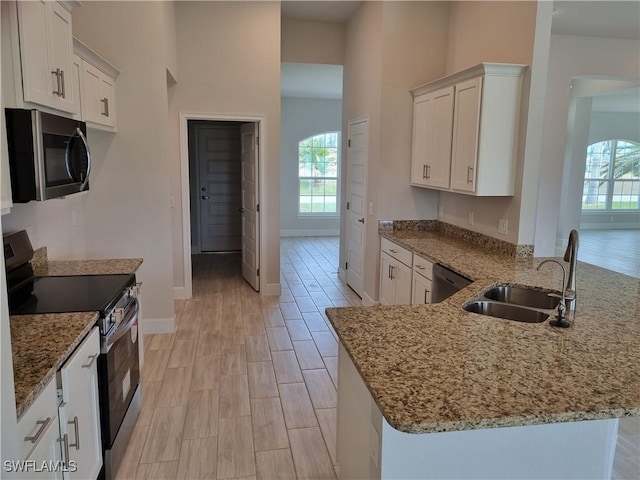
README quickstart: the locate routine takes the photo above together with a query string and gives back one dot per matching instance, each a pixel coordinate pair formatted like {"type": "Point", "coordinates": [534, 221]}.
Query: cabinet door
{"type": "Point", "coordinates": [61, 56]}
{"type": "Point", "coordinates": [79, 412]}
{"type": "Point", "coordinates": [46, 455]}
{"type": "Point", "coordinates": [466, 129]}
{"type": "Point", "coordinates": [401, 277]}
{"type": "Point", "coordinates": [432, 130]}
{"type": "Point", "coordinates": [421, 290]}
{"type": "Point", "coordinates": [92, 80]}
{"type": "Point", "coordinates": [108, 101]}
{"type": "Point", "coordinates": [38, 82]}
{"type": "Point", "coordinates": [387, 286]}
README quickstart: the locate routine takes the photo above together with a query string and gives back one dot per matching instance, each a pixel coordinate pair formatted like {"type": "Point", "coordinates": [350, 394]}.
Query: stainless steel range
{"type": "Point", "coordinates": [115, 297]}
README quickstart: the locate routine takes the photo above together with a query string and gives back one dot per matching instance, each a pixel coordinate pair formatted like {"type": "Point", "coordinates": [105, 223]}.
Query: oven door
{"type": "Point", "coordinates": [119, 373]}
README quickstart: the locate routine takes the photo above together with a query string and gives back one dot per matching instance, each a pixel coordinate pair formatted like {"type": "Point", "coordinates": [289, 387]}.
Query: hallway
{"type": "Point", "coordinates": [246, 386]}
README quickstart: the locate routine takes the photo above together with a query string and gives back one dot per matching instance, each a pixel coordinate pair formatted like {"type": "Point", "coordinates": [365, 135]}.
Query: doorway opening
{"type": "Point", "coordinates": [221, 159]}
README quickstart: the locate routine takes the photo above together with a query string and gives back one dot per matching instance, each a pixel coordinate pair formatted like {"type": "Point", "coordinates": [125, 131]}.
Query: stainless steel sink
{"type": "Point", "coordinates": [507, 311]}
{"type": "Point", "coordinates": [523, 296]}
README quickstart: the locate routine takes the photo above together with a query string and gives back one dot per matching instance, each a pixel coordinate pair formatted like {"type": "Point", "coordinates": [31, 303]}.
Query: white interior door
{"type": "Point", "coordinates": [357, 152]}
{"type": "Point", "coordinates": [249, 208]}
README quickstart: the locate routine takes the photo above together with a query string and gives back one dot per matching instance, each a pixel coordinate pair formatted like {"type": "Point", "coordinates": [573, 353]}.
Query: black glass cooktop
{"type": "Point", "coordinates": [81, 293]}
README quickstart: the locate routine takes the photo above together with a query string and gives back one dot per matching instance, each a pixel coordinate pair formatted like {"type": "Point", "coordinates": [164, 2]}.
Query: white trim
{"type": "Point", "coordinates": [180, 293]}
{"type": "Point", "coordinates": [613, 435]}
{"type": "Point", "coordinates": [261, 120]}
{"type": "Point", "coordinates": [316, 232]}
{"type": "Point", "coordinates": [272, 289]}
{"type": "Point", "coordinates": [158, 325]}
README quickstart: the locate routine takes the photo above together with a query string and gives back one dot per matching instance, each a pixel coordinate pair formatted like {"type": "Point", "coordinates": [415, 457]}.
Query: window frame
{"type": "Point", "coordinates": [610, 181]}
{"type": "Point", "coordinates": [338, 147]}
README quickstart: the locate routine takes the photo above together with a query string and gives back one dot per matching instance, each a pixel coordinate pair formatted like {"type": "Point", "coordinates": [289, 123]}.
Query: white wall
{"type": "Point", "coordinates": [490, 32]}
{"type": "Point", "coordinates": [127, 213]}
{"type": "Point", "coordinates": [229, 64]}
{"type": "Point", "coordinates": [571, 57]}
{"type": "Point", "coordinates": [390, 48]}
{"type": "Point", "coordinates": [303, 118]}
{"type": "Point", "coordinates": [305, 41]}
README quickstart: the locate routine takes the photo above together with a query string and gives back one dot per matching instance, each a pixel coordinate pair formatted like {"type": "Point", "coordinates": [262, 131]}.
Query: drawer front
{"type": "Point", "coordinates": [396, 251]}
{"type": "Point", "coordinates": [81, 363]}
{"type": "Point", "coordinates": [42, 414]}
{"type": "Point", "coordinates": [423, 266]}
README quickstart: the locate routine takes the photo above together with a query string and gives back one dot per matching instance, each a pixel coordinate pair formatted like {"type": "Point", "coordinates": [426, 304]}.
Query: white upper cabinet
{"type": "Point", "coordinates": [98, 78]}
{"type": "Point", "coordinates": [431, 150]}
{"type": "Point", "coordinates": [465, 132]}
{"type": "Point", "coordinates": [46, 55]}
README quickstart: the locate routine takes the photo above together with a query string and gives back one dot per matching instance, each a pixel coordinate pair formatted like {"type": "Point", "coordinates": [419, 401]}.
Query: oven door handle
{"type": "Point", "coordinates": [86, 147]}
{"type": "Point", "coordinates": [126, 326]}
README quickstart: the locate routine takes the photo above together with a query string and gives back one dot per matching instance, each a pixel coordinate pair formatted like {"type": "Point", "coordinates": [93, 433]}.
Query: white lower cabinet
{"type": "Point", "coordinates": [405, 277]}
{"type": "Point", "coordinates": [422, 276]}
{"type": "Point", "coordinates": [79, 411]}
{"type": "Point", "coordinates": [395, 274]}
{"type": "Point", "coordinates": [39, 439]}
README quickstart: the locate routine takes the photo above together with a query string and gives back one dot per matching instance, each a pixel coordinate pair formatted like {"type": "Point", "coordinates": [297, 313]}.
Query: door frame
{"type": "Point", "coordinates": [185, 187]}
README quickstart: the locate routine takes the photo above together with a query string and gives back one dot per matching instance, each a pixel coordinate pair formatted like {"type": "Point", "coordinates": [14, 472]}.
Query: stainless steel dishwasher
{"type": "Point", "coordinates": [446, 282]}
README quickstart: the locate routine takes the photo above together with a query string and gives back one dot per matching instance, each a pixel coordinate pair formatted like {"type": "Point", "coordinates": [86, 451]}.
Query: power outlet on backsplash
{"type": "Point", "coordinates": [503, 226]}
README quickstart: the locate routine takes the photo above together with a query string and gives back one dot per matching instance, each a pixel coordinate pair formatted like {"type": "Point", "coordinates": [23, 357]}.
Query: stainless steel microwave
{"type": "Point", "coordinates": [48, 155]}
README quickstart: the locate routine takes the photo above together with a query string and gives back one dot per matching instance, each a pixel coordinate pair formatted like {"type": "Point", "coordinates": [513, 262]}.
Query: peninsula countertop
{"type": "Point", "coordinates": [434, 368]}
{"type": "Point", "coordinates": [41, 343]}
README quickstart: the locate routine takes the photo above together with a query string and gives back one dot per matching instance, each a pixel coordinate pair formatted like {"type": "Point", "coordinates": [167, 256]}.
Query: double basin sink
{"type": "Point", "coordinates": [522, 304]}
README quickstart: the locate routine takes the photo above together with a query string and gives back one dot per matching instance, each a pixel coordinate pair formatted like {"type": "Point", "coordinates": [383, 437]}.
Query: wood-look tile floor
{"type": "Point", "coordinates": [617, 250]}
{"type": "Point", "coordinates": [246, 386]}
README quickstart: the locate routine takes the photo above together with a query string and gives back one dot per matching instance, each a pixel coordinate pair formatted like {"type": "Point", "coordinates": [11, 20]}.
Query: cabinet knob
{"type": "Point", "coordinates": [361, 220]}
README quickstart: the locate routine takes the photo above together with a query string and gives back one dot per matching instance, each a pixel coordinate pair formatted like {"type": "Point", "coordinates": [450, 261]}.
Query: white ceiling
{"type": "Point", "coordinates": [311, 80]}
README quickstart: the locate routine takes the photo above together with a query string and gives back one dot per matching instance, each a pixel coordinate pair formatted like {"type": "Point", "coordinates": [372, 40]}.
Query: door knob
{"type": "Point", "coordinates": [205, 197]}
{"type": "Point", "coordinates": [361, 220]}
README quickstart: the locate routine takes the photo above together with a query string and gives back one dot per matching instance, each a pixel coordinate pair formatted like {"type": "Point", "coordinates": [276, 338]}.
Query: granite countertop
{"type": "Point", "coordinates": [40, 345]}
{"type": "Point", "coordinates": [59, 268]}
{"type": "Point", "coordinates": [433, 368]}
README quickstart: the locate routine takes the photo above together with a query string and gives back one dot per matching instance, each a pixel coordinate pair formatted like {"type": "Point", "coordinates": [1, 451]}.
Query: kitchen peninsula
{"type": "Point", "coordinates": [495, 398]}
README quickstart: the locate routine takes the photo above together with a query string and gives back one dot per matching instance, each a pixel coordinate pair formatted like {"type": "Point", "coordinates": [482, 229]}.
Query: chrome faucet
{"type": "Point", "coordinates": [571, 256]}
{"type": "Point", "coordinates": [561, 318]}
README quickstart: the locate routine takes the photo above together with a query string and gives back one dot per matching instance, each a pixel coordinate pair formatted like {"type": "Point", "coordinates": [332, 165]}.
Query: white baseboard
{"type": "Point", "coordinates": [180, 293]}
{"type": "Point", "coordinates": [304, 232]}
{"type": "Point", "coordinates": [368, 301]}
{"type": "Point", "coordinates": [272, 289]}
{"type": "Point", "coordinates": [158, 325]}
{"type": "Point", "coordinates": [342, 274]}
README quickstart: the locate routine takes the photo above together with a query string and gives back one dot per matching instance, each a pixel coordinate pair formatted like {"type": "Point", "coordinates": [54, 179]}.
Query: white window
{"type": "Point", "coordinates": [612, 176]}
{"type": "Point", "coordinates": [318, 166]}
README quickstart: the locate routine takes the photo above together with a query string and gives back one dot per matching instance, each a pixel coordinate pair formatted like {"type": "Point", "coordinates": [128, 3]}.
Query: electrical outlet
{"type": "Point", "coordinates": [470, 218]}
{"type": "Point", "coordinates": [370, 208]}
{"type": "Point", "coordinates": [503, 226]}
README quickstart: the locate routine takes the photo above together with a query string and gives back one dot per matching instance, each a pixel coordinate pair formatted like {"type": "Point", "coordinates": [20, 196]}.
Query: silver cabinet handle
{"type": "Point", "coordinates": [76, 429]}
{"type": "Point", "coordinates": [391, 267]}
{"type": "Point", "coordinates": [65, 439]}
{"type": "Point", "coordinates": [92, 358]}
{"type": "Point", "coordinates": [56, 72]}
{"type": "Point", "coordinates": [469, 171]}
{"type": "Point", "coordinates": [424, 171]}
{"type": "Point", "coordinates": [420, 266]}
{"type": "Point", "coordinates": [361, 220]}
{"type": "Point", "coordinates": [428, 172]}
{"type": "Point", "coordinates": [105, 101]}
{"type": "Point", "coordinates": [389, 272]}
{"type": "Point", "coordinates": [426, 292]}
{"type": "Point", "coordinates": [86, 146]}
{"type": "Point", "coordinates": [43, 426]}
{"type": "Point", "coordinates": [393, 251]}
{"type": "Point", "coordinates": [62, 90]}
